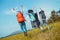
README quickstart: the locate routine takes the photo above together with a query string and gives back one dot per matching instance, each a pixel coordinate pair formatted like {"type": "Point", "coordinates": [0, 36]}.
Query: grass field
{"type": "Point", "coordinates": [37, 34]}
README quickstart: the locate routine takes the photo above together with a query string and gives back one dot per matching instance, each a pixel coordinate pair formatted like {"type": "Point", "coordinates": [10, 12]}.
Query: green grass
{"type": "Point", "coordinates": [37, 34]}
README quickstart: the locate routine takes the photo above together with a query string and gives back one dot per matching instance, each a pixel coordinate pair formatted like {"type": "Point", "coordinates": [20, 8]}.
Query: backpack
{"type": "Point", "coordinates": [20, 17]}
{"type": "Point", "coordinates": [43, 16]}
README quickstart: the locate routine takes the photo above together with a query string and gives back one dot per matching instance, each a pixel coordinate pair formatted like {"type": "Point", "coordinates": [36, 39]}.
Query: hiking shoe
{"type": "Point", "coordinates": [48, 28]}
{"type": "Point", "coordinates": [25, 33]}
{"type": "Point", "coordinates": [41, 28]}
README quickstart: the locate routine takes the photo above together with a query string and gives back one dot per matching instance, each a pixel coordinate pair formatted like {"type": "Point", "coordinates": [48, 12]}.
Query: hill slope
{"type": "Point", "coordinates": [37, 34]}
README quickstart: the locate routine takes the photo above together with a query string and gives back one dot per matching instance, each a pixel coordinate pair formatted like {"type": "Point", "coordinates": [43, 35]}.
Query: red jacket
{"type": "Point", "coordinates": [20, 17]}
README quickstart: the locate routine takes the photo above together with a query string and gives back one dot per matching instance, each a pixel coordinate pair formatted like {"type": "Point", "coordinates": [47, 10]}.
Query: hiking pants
{"type": "Point", "coordinates": [23, 27]}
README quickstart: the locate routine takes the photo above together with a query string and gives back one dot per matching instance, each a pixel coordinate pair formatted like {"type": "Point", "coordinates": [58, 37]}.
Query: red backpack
{"type": "Point", "coordinates": [20, 17]}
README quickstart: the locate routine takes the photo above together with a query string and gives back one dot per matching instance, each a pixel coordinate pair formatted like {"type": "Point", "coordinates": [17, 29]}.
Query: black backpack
{"type": "Point", "coordinates": [43, 16]}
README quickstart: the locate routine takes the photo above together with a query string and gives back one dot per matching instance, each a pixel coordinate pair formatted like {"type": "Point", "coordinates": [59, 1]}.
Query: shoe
{"type": "Point", "coordinates": [25, 33]}
{"type": "Point", "coordinates": [48, 28]}
{"type": "Point", "coordinates": [41, 28]}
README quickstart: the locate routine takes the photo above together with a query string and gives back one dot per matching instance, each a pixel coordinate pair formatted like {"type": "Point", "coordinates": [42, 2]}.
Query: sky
{"type": "Point", "coordinates": [8, 21]}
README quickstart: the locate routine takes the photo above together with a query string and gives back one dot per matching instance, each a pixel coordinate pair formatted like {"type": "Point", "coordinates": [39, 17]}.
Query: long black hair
{"type": "Point", "coordinates": [30, 11]}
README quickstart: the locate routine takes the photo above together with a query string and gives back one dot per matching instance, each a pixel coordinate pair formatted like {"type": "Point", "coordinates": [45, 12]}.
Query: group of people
{"type": "Point", "coordinates": [34, 18]}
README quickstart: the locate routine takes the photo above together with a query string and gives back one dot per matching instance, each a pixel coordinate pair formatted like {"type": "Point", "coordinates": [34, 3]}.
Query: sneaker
{"type": "Point", "coordinates": [41, 28]}
{"type": "Point", "coordinates": [48, 28]}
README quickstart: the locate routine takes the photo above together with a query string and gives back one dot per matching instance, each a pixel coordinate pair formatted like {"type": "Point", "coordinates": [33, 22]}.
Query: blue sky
{"type": "Point", "coordinates": [8, 21]}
